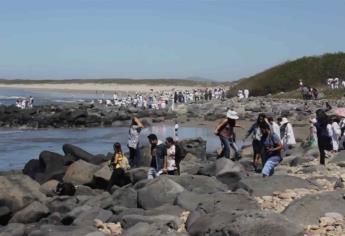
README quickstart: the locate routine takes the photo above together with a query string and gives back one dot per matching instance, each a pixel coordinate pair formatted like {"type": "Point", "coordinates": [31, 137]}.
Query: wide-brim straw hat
{"type": "Point", "coordinates": [232, 115]}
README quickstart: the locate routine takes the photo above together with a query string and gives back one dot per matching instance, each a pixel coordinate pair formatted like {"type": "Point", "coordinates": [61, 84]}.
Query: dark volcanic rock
{"type": "Point", "coordinates": [80, 172]}
{"type": "Point", "coordinates": [77, 152]}
{"type": "Point", "coordinates": [210, 203]}
{"type": "Point", "coordinates": [200, 184]}
{"type": "Point", "coordinates": [158, 192]}
{"type": "Point", "coordinates": [244, 223]}
{"type": "Point", "coordinates": [18, 191]}
{"type": "Point", "coordinates": [266, 186]}
{"type": "Point", "coordinates": [30, 214]}
{"type": "Point", "coordinates": [197, 147]}
{"type": "Point", "coordinates": [62, 230]}
{"type": "Point", "coordinates": [308, 210]}
{"type": "Point", "coordinates": [14, 229]}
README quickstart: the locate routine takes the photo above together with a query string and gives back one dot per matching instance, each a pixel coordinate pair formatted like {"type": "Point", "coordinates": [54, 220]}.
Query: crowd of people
{"type": "Point", "coordinates": [163, 99]}
{"type": "Point", "coordinates": [25, 103]}
{"type": "Point", "coordinates": [243, 94]}
{"type": "Point", "coordinates": [335, 83]}
{"type": "Point", "coordinates": [271, 139]}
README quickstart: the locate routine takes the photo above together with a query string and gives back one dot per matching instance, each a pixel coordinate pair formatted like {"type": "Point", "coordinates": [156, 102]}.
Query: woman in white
{"type": "Point", "coordinates": [336, 133]}
{"type": "Point", "coordinates": [169, 161]}
{"type": "Point", "coordinates": [286, 133]}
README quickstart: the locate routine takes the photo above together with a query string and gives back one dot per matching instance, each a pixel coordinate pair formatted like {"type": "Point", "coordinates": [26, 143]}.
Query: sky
{"type": "Point", "coordinates": [220, 40]}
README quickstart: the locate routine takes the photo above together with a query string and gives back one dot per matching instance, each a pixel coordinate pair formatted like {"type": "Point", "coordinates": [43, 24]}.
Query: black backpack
{"type": "Point", "coordinates": [179, 155]}
{"type": "Point", "coordinates": [283, 130]}
{"type": "Point", "coordinates": [65, 189]}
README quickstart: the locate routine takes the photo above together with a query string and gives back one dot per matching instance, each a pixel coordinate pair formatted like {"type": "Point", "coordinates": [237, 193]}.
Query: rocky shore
{"type": "Point", "coordinates": [210, 197]}
{"type": "Point", "coordinates": [95, 115]}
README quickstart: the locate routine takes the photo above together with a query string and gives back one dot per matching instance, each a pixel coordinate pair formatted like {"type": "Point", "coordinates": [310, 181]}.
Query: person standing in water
{"type": "Point", "coordinates": [225, 131]}
{"type": "Point", "coordinates": [176, 130]}
{"type": "Point", "coordinates": [133, 141]}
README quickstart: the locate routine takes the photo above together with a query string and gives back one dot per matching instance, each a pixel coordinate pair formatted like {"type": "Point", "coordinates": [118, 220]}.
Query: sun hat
{"type": "Point", "coordinates": [232, 115]}
{"type": "Point", "coordinates": [284, 120]}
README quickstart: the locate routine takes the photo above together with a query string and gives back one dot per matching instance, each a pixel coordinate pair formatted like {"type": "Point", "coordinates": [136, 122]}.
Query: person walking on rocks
{"type": "Point", "coordinates": [256, 137]}
{"type": "Point", "coordinates": [271, 150]}
{"type": "Point", "coordinates": [170, 165]}
{"type": "Point", "coordinates": [225, 131]}
{"type": "Point", "coordinates": [133, 141]}
{"type": "Point", "coordinates": [158, 153]}
{"type": "Point", "coordinates": [286, 133]}
{"type": "Point", "coordinates": [274, 126]}
{"type": "Point", "coordinates": [323, 131]}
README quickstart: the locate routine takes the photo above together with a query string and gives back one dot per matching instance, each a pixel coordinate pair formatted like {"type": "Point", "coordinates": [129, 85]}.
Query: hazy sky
{"type": "Point", "coordinates": [219, 40]}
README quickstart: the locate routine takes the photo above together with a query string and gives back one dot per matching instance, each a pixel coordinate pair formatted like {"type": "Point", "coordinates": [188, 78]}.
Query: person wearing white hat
{"type": "Point", "coordinates": [286, 133]}
{"type": "Point", "coordinates": [226, 133]}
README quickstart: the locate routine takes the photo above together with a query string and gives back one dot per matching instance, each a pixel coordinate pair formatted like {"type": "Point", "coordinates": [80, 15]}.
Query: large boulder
{"type": "Point", "coordinates": [87, 217]}
{"type": "Point", "coordinates": [244, 223]}
{"type": "Point", "coordinates": [138, 174]}
{"type": "Point", "coordinates": [30, 214]}
{"type": "Point", "coordinates": [158, 192]}
{"type": "Point", "coordinates": [210, 203]}
{"type": "Point", "coordinates": [229, 172]}
{"type": "Point", "coordinates": [62, 204]}
{"type": "Point", "coordinates": [308, 209]}
{"type": "Point", "coordinates": [124, 197]}
{"type": "Point", "coordinates": [50, 165]}
{"type": "Point", "coordinates": [197, 147]}
{"type": "Point", "coordinates": [18, 191]}
{"type": "Point", "coordinates": [266, 186]}
{"type": "Point", "coordinates": [190, 164]}
{"type": "Point", "coordinates": [63, 230]}
{"type": "Point", "coordinates": [80, 172]}
{"type": "Point", "coordinates": [102, 176]}
{"type": "Point", "coordinates": [14, 229]}
{"type": "Point", "coordinates": [142, 228]}
{"type": "Point", "coordinates": [199, 183]}
{"type": "Point", "coordinates": [163, 220]}
{"type": "Point", "coordinates": [79, 153]}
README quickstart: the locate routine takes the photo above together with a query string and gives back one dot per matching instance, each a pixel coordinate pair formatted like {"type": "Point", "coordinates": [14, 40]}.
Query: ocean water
{"type": "Point", "coordinates": [9, 96]}
{"type": "Point", "coordinates": [19, 146]}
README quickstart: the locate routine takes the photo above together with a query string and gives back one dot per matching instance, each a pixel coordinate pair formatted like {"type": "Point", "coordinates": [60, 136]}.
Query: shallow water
{"type": "Point", "coordinates": [19, 146]}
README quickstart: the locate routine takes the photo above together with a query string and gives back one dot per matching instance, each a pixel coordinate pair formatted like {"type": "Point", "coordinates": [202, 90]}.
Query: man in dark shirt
{"type": "Point", "coordinates": [158, 151]}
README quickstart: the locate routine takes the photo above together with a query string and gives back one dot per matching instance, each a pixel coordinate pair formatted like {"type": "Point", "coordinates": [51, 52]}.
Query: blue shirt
{"type": "Point", "coordinates": [269, 142]}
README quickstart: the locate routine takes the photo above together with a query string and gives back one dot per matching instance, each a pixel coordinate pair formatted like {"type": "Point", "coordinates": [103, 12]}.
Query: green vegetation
{"type": "Point", "coordinates": [176, 82]}
{"type": "Point", "coordinates": [314, 72]}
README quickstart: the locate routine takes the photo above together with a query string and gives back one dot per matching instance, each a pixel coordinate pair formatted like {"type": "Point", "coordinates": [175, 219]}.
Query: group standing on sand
{"type": "Point", "coordinates": [162, 99]}
{"type": "Point", "coordinates": [25, 103]}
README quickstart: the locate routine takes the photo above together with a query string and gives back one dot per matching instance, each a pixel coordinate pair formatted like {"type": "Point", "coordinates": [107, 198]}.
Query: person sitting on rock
{"type": "Point", "coordinates": [119, 164]}
{"type": "Point", "coordinates": [227, 136]}
{"type": "Point", "coordinates": [271, 149]}
{"type": "Point", "coordinates": [170, 166]}
{"type": "Point", "coordinates": [158, 152]}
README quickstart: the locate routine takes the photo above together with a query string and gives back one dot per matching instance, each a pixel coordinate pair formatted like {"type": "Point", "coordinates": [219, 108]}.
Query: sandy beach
{"type": "Point", "coordinates": [96, 87]}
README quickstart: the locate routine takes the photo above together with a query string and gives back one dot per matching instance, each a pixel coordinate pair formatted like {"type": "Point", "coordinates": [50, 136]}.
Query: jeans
{"type": "Point", "coordinates": [270, 163]}
{"type": "Point", "coordinates": [227, 143]}
{"type": "Point", "coordinates": [324, 144]}
{"type": "Point", "coordinates": [134, 156]}
{"type": "Point", "coordinates": [152, 173]}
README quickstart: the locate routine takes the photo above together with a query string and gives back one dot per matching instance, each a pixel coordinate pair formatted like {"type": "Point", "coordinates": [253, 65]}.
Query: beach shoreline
{"type": "Point", "coordinates": [106, 87]}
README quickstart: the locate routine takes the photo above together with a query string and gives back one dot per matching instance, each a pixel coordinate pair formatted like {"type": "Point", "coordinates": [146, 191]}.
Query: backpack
{"type": "Point", "coordinates": [179, 155]}
{"type": "Point", "coordinates": [65, 189]}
